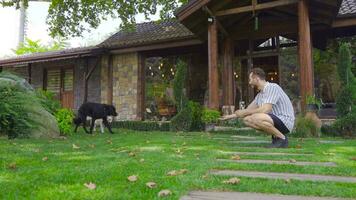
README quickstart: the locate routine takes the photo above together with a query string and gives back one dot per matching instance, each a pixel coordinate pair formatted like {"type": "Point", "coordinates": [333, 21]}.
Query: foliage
{"type": "Point", "coordinates": [64, 118]}
{"type": "Point", "coordinates": [197, 111]}
{"type": "Point", "coordinates": [142, 125]}
{"type": "Point", "coordinates": [344, 102]}
{"type": "Point", "coordinates": [179, 85]}
{"type": "Point", "coordinates": [14, 120]}
{"type": "Point", "coordinates": [311, 99]}
{"type": "Point", "coordinates": [183, 120]}
{"type": "Point", "coordinates": [48, 101]}
{"type": "Point", "coordinates": [344, 65]}
{"type": "Point", "coordinates": [346, 126]}
{"type": "Point", "coordinates": [237, 123]}
{"type": "Point", "coordinates": [329, 130]}
{"type": "Point", "coordinates": [305, 128]}
{"type": "Point", "coordinates": [35, 46]}
{"type": "Point", "coordinates": [210, 116]}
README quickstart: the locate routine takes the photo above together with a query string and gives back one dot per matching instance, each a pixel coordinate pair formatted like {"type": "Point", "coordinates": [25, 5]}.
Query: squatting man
{"type": "Point", "coordinates": [271, 111]}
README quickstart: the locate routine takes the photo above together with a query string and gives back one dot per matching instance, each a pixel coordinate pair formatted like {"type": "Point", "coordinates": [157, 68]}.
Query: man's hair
{"type": "Point", "coordinates": [259, 73]}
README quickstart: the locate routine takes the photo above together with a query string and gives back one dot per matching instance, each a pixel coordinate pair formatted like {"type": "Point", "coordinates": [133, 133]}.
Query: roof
{"type": "Point", "coordinates": [148, 33]}
{"type": "Point", "coordinates": [347, 8]}
{"type": "Point", "coordinates": [51, 55]}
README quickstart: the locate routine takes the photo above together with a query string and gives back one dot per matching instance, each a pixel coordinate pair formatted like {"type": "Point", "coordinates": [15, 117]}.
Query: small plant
{"type": "Point", "coordinates": [312, 100]}
{"type": "Point", "coordinates": [305, 128]}
{"type": "Point", "coordinates": [48, 101]}
{"type": "Point", "coordinates": [64, 118]}
{"type": "Point", "coordinates": [346, 126]}
{"type": "Point", "coordinates": [183, 120]}
{"type": "Point", "coordinates": [197, 111]}
{"type": "Point", "coordinates": [210, 116]}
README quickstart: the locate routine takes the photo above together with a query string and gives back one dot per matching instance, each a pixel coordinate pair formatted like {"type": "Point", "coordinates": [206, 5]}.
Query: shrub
{"type": "Point", "coordinates": [329, 130]}
{"type": "Point", "coordinates": [305, 128]}
{"type": "Point", "coordinates": [142, 125]}
{"type": "Point", "coordinates": [15, 120]}
{"type": "Point", "coordinates": [346, 126]}
{"type": "Point", "coordinates": [344, 102]}
{"type": "Point", "coordinates": [181, 100]}
{"type": "Point", "coordinates": [210, 116]}
{"type": "Point", "coordinates": [64, 118]}
{"type": "Point", "coordinates": [183, 120]}
{"type": "Point", "coordinates": [311, 99]}
{"type": "Point", "coordinates": [48, 101]}
{"type": "Point", "coordinates": [197, 111]}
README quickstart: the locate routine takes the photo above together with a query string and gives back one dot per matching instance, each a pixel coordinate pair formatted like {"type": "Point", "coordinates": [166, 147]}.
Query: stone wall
{"type": "Point", "coordinates": [125, 79]}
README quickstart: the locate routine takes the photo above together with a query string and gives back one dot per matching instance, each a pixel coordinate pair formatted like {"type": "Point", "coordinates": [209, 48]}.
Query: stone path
{"type": "Point", "coordinates": [244, 137]}
{"type": "Point", "coordinates": [273, 175]}
{"type": "Point", "coordinates": [198, 195]}
{"type": "Point", "coordinates": [226, 128]}
{"type": "Point", "coordinates": [282, 162]}
{"type": "Point", "coordinates": [250, 141]}
{"type": "Point", "coordinates": [330, 142]}
{"type": "Point", "coordinates": [268, 153]}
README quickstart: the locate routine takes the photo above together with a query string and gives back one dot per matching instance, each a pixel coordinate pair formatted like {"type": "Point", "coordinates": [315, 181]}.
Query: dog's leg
{"type": "Point", "coordinates": [106, 123]}
{"type": "Point", "coordinates": [102, 126]}
{"type": "Point", "coordinates": [84, 125]}
{"type": "Point", "coordinates": [92, 125]}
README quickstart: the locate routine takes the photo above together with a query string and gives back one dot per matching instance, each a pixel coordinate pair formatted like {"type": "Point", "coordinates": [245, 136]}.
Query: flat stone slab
{"type": "Point", "coordinates": [227, 128]}
{"type": "Point", "coordinates": [244, 137]}
{"type": "Point", "coordinates": [282, 162]}
{"type": "Point", "coordinates": [251, 141]}
{"type": "Point", "coordinates": [268, 153]}
{"type": "Point", "coordinates": [199, 195]}
{"type": "Point", "coordinates": [273, 175]}
{"type": "Point", "coordinates": [330, 142]}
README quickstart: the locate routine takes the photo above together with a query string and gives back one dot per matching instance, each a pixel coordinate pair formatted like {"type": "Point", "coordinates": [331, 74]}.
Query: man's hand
{"type": "Point", "coordinates": [240, 113]}
{"type": "Point", "coordinates": [227, 117]}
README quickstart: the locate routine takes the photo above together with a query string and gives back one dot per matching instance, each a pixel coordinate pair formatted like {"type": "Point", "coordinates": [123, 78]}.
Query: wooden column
{"type": "Point", "coordinates": [213, 65]}
{"type": "Point", "coordinates": [29, 71]}
{"type": "Point", "coordinates": [141, 88]}
{"type": "Point", "coordinates": [110, 80]}
{"type": "Point", "coordinates": [305, 52]}
{"type": "Point", "coordinates": [227, 79]}
{"type": "Point", "coordinates": [86, 71]}
{"type": "Point", "coordinates": [250, 91]}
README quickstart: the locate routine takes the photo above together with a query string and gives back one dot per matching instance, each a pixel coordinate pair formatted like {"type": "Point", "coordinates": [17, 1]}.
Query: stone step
{"type": "Point", "coordinates": [281, 162]}
{"type": "Point", "coordinates": [250, 141]}
{"type": "Point", "coordinates": [268, 153]}
{"type": "Point", "coordinates": [330, 142]}
{"type": "Point", "coordinates": [274, 175]}
{"type": "Point", "coordinates": [200, 195]}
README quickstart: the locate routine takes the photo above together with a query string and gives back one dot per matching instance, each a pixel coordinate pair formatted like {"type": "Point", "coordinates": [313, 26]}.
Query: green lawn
{"type": "Point", "coordinates": [104, 160]}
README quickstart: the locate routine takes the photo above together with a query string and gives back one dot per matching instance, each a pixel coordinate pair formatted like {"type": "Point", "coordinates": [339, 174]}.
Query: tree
{"type": "Point", "coordinates": [71, 17]}
{"type": "Point", "coordinates": [35, 46]}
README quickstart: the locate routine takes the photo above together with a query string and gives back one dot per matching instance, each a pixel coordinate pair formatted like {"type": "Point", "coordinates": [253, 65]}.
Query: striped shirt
{"type": "Point", "coordinates": [281, 105]}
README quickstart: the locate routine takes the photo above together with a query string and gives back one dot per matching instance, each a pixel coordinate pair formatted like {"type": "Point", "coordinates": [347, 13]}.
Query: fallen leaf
{"type": "Point", "coordinates": [92, 146]}
{"type": "Point", "coordinates": [132, 154]}
{"type": "Point", "coordinates": [132, 178]}
{"type": "Point", "coordinates": [37, 150]}
{"type": "Point", "coordinates": [197, 154]}
{"type": "Point", "coordinates": [235, 157]}
{"type": "Point", "coordinates": [177, 172]}
{"type": "Point", "coordinates": [12, 166]}
{"type": "Point", "coordinates": [204, 176]}
{"type": "Point", "coordinates": [287, 180]}
{"type": "Point", "coordinates": [151, 184]}
{"type": "Point", "coordinates": [62, 137]}
{"type": "Point", "coordinates": [298, 146]}
{"type": "Point", "coordinates": [232, 181]}
{"type": "Point", "coordinates": [142, 160]}
{"type": "Point", "coordinates": [45, 158]}
{"type": "Point", "coordinates": [147, 141]}
{"type": "Point", "coordinates": [354, 158]}
{"type": "Point", "coordinates": [164, 193]}
{"type": "Point", "coordinates": [90, 186]}
{"type": "Point", "coordinates": [184, 144]}
{"type": "Point", "coordinates": [109, 141]}
{"type": "Point", "coordinates": [75, 146]}
{"type": "Point", "coordinates": [292, 161]}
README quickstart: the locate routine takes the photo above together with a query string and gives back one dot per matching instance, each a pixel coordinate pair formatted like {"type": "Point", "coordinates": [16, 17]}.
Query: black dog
{"type": "Point", "coordinates": [95, 111]}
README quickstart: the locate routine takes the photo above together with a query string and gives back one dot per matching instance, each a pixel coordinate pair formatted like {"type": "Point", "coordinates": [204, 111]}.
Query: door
{"type": "Point", "coordinates": [60, 82]}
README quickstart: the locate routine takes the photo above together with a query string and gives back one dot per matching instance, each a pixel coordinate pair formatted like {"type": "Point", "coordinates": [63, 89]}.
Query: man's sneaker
{"type": "Point", "coordinates": [280, 143]}
{"type": "Point", "coordinates": [273, 139]}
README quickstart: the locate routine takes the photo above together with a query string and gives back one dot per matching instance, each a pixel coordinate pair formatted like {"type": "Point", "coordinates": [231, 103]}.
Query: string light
{"type": "Point", "coordinates": [151, 73]}
{"type": "Point", "coordinates": [293, 75]}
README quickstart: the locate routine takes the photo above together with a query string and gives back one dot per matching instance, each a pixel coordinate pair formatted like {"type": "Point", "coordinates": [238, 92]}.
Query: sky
{"type": "Point", "coordinates": [37, 28]}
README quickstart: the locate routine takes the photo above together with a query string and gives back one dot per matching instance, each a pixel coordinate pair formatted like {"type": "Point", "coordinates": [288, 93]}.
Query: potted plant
{"type": "Point", "coordinates": [210, 118]}
{"type": "Point", "coordinates": [313, 104]}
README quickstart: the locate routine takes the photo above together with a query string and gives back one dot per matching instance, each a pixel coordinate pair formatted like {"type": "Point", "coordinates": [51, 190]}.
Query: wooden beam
{"type": "Point", "coordinates": [110, 80]}
{"type": "Point", "coordinates": [141, 87]}
{"type": "Point", "coordinates": [228, 79]}
{"type": "Point", "coordinates": [85, 81]}
{"type": "Point", "coordinates": [250, 91]}
{"type": "Point", "coordinates": [186, 12]}
{"type": "Point", "coordinates": [221, 27]}
{"type": "Point", "coordinates": [260, 6]}
{"type": "Point", "coordinates": [213, 66]}
{"type": "Point", "coordinates": [305, 53]}
{"type": "Point", "coordinates": [93, 68]}
{"type": "Point", "coordinates": [344, 22]}
{"type": "Point", "coordinates": [29, 73]}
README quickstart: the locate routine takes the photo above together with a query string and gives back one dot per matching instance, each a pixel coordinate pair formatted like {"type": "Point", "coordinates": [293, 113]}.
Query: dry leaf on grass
{"type": "Point", "coordinates": [147, 141]}
{"type": "Point", "coordinates": [184, 144]}
{"type": "Point", "coordinates": [12, 166]}
{"type": "Point", "coordinates": [235, 157]}
{"type": "Point", "coordinates": [232, 181]}
{"type": "Point", "coordinates": [287, 180]}
{"type": "Point", "coordinates": [75, 146]}
{"type": "Point", "coordinates": [292, 161]}
{"type": "Point", "coordinates": [177, 172]}
{"type": "Point", "coordinates": [164, 193]}
{"type": "Point", "coordinates": [151, 184]}
{"type": "Point", "coordinates": [132, 154]}
{"type": "Point", "coordinates": [298, 146]}
{"type": "Point", "coordinates": [142, 160]}
{"type": "Point", "coordinates": [109, 141]}
{"type": "Point", "coordinates": [90, 185]}
{"type": "Point", "coordinates": [92, 146]}
{"type": "Point", "coordinates": [354, 158]}
{"type": "Point", "coordinates": [45, 158]}
{"type": "Point", "coordinates": [132, 178]}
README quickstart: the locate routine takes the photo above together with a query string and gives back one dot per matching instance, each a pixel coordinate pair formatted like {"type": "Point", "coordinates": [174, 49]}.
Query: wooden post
{"type": "Point", "coordinates": [305, 52]}
{"type": "Point", "coordinates": [110, 80]}
{"type": "Point", "coordinates": [85, 99]}
{"type": "Point", "coordinates": [29, 71]}
{"type": "Point", "coordinates": [141, 87]}
{"type": "Point", "coordinates": [227, 81]}
{"type": "Point", "coordinates": [213, 65]}
{"type": "Point", "coordinates": [250, 91]}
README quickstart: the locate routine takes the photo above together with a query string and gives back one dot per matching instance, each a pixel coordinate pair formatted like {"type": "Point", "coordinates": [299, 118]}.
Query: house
{"type": "Point", "coordinates": [220, 41]}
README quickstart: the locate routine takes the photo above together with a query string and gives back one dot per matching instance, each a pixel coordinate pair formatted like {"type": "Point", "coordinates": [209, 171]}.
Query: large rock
{"type": "Point", "coordinates": [45, 123]}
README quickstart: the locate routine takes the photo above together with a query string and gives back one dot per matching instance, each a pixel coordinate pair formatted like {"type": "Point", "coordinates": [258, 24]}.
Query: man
{"type": "Point", "coordinates": [271, 111]}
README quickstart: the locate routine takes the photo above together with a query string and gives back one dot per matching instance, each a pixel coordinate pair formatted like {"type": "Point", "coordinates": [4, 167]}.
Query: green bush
{"type": "Point", "coordinates": [179, 81]}
{"type": "Point", "coordinates": [64, 118]}
{"type": "Point", "coordinates": [311, 99]}
{"type": "Point", "coordinates": [210, 116]}
{"type": "Point", "coordinates": [48, 101]}
{"type": "Point", "coordinates": [346, 126]}
{"type": "Point", "coordinates": [197, 112]}
{"type": "Point", "coordinates": [305, 128]}
{"type": "Point", "coordinates": [15, 120]}
{"type": "Point", "coordinates": [183, 120]}
{"type": "Point", "coordinates": [344, 102]}
{"type": "Point", "coordinates": [142, 125]}
{"type": "Point", "coordinates": [329, 130]}
{"type": "Point", "coordinates": [237, 123]}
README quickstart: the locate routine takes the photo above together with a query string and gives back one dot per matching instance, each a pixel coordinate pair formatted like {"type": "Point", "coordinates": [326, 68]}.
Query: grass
{"type": "Point", "coordinates": [104, 160]}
